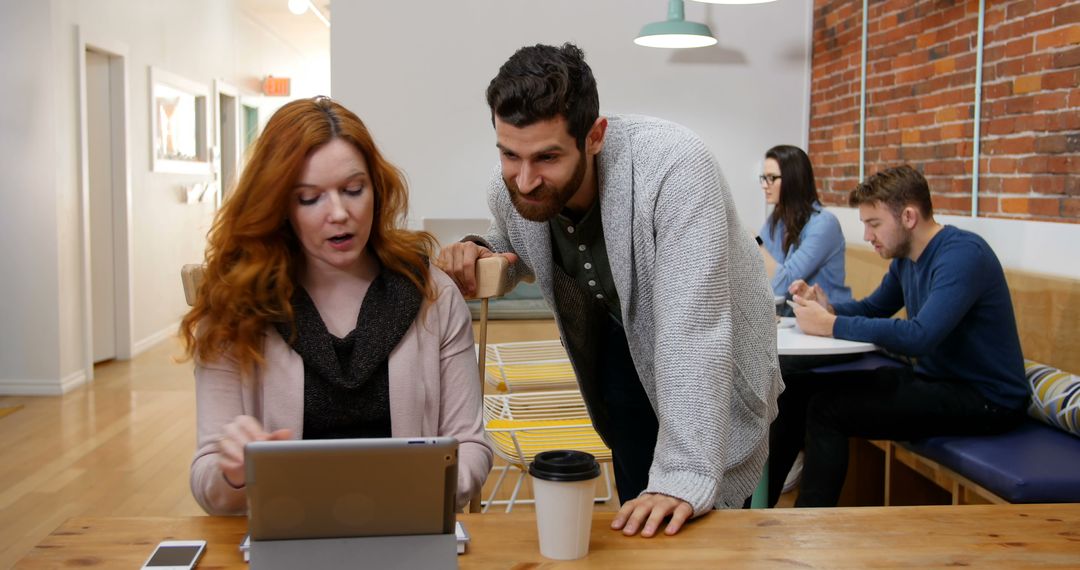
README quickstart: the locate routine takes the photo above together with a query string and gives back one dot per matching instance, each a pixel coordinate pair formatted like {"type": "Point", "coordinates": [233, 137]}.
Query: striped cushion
{"type": "Point", "coordinates": [1055, 396]}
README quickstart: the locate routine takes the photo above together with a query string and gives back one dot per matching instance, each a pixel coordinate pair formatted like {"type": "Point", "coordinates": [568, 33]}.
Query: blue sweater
{"type": "Point", "coordinates": [960, 318]}
{"type": "Point", "coordinates": [818, 259]}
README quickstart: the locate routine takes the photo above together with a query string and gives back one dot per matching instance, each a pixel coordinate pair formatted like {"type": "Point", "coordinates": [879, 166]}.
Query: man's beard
{"type": "Point", "coordinates": [546, 201]}
{"type": "Point", "coordinates": [902, 249]}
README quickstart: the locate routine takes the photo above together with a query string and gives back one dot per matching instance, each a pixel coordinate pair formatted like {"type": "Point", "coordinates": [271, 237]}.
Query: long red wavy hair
{"type": "Point", "coordinates": [253, 255]}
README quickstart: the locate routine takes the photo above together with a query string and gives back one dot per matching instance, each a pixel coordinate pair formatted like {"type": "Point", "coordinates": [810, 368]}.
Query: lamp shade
{"type": "Point", "coordinates": [298, 7]}
{"type": "Point", "coordinates": [675, 32]}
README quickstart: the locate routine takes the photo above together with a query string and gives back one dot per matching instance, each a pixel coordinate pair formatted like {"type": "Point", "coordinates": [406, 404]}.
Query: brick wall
{"type": "Point", "coordinates": [920, 101]}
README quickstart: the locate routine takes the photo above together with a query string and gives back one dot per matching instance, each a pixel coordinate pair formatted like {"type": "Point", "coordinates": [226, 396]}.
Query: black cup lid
{"type": "Point", "coordinates": [564, 465]}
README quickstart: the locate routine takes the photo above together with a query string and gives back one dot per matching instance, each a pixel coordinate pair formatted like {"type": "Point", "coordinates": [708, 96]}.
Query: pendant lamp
{"type": "Point", "coordinates": [735, 1]}
{"type": "Point", "coordinates": [675, 32]}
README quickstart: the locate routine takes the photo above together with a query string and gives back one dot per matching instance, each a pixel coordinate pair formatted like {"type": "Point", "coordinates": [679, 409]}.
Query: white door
{"type": "Point", "coordinates": [102, 261]}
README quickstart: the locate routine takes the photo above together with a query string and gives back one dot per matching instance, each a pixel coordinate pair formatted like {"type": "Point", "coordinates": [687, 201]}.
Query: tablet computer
{"type": "Point", "coordinates": [345, 488]}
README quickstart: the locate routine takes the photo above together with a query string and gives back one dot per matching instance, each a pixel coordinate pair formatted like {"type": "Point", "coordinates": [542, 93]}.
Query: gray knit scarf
{"type": "Point", "coordinates": [346, 380]}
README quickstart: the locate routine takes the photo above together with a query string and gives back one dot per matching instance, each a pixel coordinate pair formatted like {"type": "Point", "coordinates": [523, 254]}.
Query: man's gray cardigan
{"type": "Point", "coordinates": [696, 307]}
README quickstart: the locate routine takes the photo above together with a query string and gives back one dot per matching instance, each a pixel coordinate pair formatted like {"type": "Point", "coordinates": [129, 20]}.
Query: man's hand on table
{"type": "Point", "coordinates": [812, 317]}
{"type": "Point", "coordinates": [816, 294]}
{"type": "Point", "coordinates": [647, 512]}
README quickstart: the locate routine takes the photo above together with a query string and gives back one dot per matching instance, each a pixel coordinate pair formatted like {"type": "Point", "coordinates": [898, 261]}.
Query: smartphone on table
{"type": "Point", "coordinates": [175, 555]}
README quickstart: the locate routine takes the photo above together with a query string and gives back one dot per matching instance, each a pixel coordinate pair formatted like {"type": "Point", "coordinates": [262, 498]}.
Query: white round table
{"type": "Point", "coordinates": [791, 341]}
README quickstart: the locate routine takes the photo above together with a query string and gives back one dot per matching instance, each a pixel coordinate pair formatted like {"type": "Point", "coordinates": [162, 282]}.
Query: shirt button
{"type": "Point", "coordinates": [581, 248]}
{"type": "Point", "coordinates": [588, 266]}
{"type": "Point", "coordinates": [569, 229]}
{"type": "Point", "coordinates": [599, 295]}
{"type": "Point", "coordinates": [592, 283]}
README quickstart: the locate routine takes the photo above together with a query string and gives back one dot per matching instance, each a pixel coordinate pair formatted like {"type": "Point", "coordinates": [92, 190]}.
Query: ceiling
{"type": "Point", "coordinates": [305, 32]}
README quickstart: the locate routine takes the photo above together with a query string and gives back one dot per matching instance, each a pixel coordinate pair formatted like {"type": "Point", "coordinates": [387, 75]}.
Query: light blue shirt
{"type": "Point", "coordinates": [818, 259]}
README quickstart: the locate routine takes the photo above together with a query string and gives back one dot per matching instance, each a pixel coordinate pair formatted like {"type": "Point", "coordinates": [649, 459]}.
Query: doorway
{"type": "Point", "coordinates": [249, 123]}
{"type": "Point", "coordinates": [227, 121]}
{"type": "Point", "coordinates": [106, 203]}
{"type": "Point", "coordinates": [99, 150]}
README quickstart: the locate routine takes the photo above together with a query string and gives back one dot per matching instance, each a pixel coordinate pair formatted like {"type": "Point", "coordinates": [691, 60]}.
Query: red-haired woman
{"type": "Point", "coordinates": [318, 316]}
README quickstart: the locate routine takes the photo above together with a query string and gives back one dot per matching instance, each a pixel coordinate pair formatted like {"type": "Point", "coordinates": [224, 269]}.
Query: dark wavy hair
{"type": "Point", "coordinates": [897, 187]}
{"type": "Point", "coordinates": [542, 82]}
{"type": "Point", "coordinates": [253, 256]}
{"type": "Point", "coordinates": [797, 192]}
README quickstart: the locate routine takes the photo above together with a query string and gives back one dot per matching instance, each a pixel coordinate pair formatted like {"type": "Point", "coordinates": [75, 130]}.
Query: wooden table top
{"type": "Point", "coordinates": [1001, 536]}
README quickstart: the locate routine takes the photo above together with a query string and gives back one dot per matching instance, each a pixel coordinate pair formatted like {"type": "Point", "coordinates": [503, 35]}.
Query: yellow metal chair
{"type": "Point", "coordinates": [520, 425]}
{"type": "Point", "coordinates": [519, 421]}
{"type": "Point", "coordinates": [528, 366]}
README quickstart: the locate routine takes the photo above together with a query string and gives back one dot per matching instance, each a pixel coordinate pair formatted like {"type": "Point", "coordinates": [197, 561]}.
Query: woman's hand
{"type": "Point", "coordinates": [235, 435]}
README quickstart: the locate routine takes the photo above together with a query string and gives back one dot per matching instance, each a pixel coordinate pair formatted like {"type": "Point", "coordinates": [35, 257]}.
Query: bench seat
{"type": "Point", "coordinates": [1033, 463]}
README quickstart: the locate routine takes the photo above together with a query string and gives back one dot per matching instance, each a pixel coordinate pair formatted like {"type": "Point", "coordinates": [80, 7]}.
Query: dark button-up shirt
{"type": "Point", "coordinates": [579, 249]}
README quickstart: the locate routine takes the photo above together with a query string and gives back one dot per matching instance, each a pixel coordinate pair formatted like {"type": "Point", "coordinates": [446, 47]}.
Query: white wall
{"type": "Point", "coordinates": [418, 80]}
{"type": "Point", "coordinates": [1039, 247]}
{"type": "Point", "coordinates": [28, 218]}
{"type": "Point", "coordinates": [417, 74]}
{"type": "Point", "coordinates": [43, 304]}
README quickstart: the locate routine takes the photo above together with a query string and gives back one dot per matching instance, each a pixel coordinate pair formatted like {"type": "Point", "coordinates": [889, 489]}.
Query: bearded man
{"type": "Point", "coordinates": [660, 295]}
{"type": "Point", "coordinates": [969, 373]}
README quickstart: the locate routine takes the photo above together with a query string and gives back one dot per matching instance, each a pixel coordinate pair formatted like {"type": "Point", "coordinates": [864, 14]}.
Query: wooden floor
{"type": "Point", "coordinates": [122, 445]}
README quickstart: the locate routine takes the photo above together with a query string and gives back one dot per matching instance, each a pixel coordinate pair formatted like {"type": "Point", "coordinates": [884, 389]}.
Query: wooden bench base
{"type": "Point", "coordinates": [882, 473]}
{"type": "Point", "coordinates": [904, 469]}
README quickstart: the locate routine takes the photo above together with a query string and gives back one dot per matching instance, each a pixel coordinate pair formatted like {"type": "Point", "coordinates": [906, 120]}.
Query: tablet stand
{"type": "Point", "coordinates": [435, 551]}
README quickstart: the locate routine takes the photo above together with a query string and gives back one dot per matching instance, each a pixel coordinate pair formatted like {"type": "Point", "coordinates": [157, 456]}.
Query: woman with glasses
{"type": "Point", "coordinates": [799, 240]}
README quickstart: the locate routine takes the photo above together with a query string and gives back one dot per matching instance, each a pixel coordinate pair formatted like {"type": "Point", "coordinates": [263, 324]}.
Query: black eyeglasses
{"type": "Point", "coordinates": [768, 178]}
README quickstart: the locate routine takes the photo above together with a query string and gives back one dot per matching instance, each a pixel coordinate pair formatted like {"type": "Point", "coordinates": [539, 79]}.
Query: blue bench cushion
{"type": "Point", "coordinates": [1031, 464]}
{"type": "Point", "coordinates": [866, 362]}
{"type": "Point", "coordinates": [1055, 396]}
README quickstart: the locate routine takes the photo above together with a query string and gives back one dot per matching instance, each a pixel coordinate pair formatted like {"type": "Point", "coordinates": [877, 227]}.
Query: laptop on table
{"type": "Point", "coordinates": [379, 503]}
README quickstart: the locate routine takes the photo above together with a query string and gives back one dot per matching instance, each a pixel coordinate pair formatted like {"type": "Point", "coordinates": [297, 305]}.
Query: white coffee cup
{"type": "Point", "coordinates": [564, 485]}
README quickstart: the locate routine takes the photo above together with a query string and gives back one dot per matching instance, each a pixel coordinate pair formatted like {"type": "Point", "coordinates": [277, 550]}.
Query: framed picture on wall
{"type": "Point", "coordinates": [179, 123]}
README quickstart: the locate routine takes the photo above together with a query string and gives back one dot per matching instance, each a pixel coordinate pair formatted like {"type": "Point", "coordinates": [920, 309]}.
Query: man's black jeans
{"type": "Point", "coordinates": [821, 411]}
{"type": "Point", "coordinates": [633, 426]}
